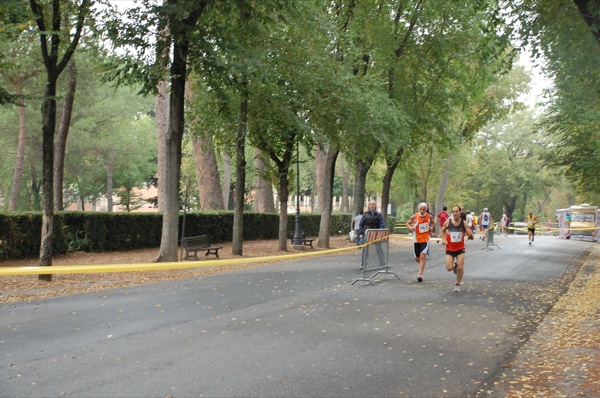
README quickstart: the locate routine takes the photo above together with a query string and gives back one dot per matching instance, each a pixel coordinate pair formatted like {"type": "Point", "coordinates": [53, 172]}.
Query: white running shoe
{"type": "Point", "coordinates": [456, 288]}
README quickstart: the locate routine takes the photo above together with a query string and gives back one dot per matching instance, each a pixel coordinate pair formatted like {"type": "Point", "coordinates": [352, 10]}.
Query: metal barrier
{"type": "Point", "coordinates": [519, 228]}
{"type": "Point", "coordinates": [375, 255]}
{"type": "Point", "coordinates": [489, 241]}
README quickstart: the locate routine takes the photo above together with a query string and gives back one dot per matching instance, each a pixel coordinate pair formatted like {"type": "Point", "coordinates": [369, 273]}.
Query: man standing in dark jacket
{"type": "Point", "coordinates": [372, 219]}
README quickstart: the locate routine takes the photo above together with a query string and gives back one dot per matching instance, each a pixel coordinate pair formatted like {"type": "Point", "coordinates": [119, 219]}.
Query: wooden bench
{"type": "Point", "coordinates": [194, 244]}
{"type": "Point", "coordinates": [305, 241]}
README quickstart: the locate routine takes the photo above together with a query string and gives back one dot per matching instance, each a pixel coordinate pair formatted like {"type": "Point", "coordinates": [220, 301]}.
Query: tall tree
{"type": "Point", "coordinates": [161, 107]}
{"type": "Point", "coordinates": [263, 186]}
{"type": "Point", "coordinates": [345, 205]}
{"type": "Point", "coordinates": [13, 21]}
{"type": "Point", "coordinates": [18, 78]}
{"type": "Point", "coordinates": [20, 50]}
{"type": "Point", "coordinates": [18, 174]}
{"type": "Point", "coordinates": [104, 150]}
{"type": "Point", "coordinates": [510, 173]}
{"type": "Point", "coordinates": [256, 67]}
{"type": "Point", "coordinates": [180, 18]}
{"type": "Point", "coordinates": [590, 11]}
{"type": "Point", "coordinates": [570, 53]}
{"type": "Point", "coordinates": [209, 185]}
{"type": "Point", "coordinates": [63, 132]}
{"type": "Point", "coordinates": [49, 23]}
{"type": "Point", "coordinates": [207, 171]}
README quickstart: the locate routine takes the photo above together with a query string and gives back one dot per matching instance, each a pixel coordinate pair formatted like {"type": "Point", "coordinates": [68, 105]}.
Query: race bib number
{"type": "Point", "coordinates": [529, 223]}
{"type": "Point", "coordinates": [424, 227]}
{"type": "Point", "coordinates": [456, 237]}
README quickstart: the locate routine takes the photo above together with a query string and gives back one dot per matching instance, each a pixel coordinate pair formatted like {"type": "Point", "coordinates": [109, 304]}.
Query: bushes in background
{"type": "Point", "coordinates": [97, 231]}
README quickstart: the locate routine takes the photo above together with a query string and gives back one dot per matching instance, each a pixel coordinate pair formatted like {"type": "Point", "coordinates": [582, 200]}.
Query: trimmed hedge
{"type": "Point", "coordinates": [103, 231]}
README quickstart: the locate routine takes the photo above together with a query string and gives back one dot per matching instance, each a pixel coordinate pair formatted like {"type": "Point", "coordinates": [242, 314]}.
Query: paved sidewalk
{"type": "Point", "coordinates": [562, 358]}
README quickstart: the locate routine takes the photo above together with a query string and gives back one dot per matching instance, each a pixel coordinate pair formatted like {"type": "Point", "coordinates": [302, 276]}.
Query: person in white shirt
{"type": "Point", "coordinates": [469, 219]}
{"type": "Point", "coordinates": [356, 226]}
{"type": "Point", "coordinates": [485, 220]}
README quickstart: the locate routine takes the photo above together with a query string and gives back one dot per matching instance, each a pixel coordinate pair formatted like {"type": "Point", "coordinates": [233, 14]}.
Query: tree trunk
{"type": "Point", "coordinates": [345, 203]}
{"type": "Point", "coordinates": [207, 171]}
{"type": "Point", "coordinates": [264, 190]}
{"type": "Point", "coordinates": [174, 139]}
{"type": "Point", "coordinates": [360, 180]}
{"type": "Point", "coordinates": [170, 222]}
{"type": "Point", "coordinates": [209, 183]}
{"type": "Point", "coordinates": [18, 174]}
{"type": "Point", "coordinates": [48, 130]}
{"type": "Point", "coordinates": [387, 180]}
{"type": "Point", "coordinates": [63, 132]}
{"type": "Point", "coordinates": [161, 109]}
{"type": "Point", "coordinates": [226, 181]}
{"type": "Point", "coordinates": [327, 198]}
{"type": "Point", "coordinates": [179, 36]}
{"type": "Point", "coordinates": [424, 178]}
{"type": "Point", "coordinates": [35, 190]}
{"type": "Point", "coordinates": [589, 11]}
{"type": "Point", "coordinates": [284, 193]}
{"type": "Point", "coordinates": [510, 207]}
{"type": "Point", "coordinates": [315, 183]}
{"type": "Point", "coordinates": [240, 181]}
{"type": "Point", "coordinates": [524, 208]}
{"type": "Point", "coordinates": [320, 165]}
{"type": "Point", "coordinates": [162, 127]}
{"type": "Point", "coordinates": [282, 163]}
{"type": "Point", "coordinates": [109, 183]}
{"type": "Point", "coordinates": [53, 69]}
{"type": "Point", "coordinates": [439, 200]}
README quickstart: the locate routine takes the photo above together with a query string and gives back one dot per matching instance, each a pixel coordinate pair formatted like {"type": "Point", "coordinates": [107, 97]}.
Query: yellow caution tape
{"type": "Point", "coordinates": [555, 228]}
{"type": "Point", "coordinates": [83, 269]}
{"type": "Point", "coordinates": [410, 237]}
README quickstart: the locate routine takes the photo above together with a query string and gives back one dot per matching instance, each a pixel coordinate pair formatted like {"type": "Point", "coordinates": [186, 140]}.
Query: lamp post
{"type": "Point", "coordinates": [297, 229]}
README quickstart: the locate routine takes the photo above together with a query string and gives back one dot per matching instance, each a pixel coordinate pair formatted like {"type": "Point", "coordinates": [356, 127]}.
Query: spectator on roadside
{"type": "Point", "coordinates": [371, 219]}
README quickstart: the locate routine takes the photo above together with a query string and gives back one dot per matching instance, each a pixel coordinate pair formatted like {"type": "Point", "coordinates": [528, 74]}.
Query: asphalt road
{"type": "Point", "coordinates": [295, 329]}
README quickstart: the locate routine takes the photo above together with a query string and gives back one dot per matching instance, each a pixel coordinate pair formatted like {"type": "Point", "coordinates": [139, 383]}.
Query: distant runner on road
{"type": "Point", "coordinates": [532, 221]}
{"type": "Point", "coordinates": [443, 216]}
{"type": "Point", "coordinates": [485, 220]}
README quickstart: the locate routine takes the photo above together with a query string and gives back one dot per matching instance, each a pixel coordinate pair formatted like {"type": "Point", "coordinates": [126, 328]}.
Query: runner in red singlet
{"type": "Point", "coordinates": [453, 236]}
